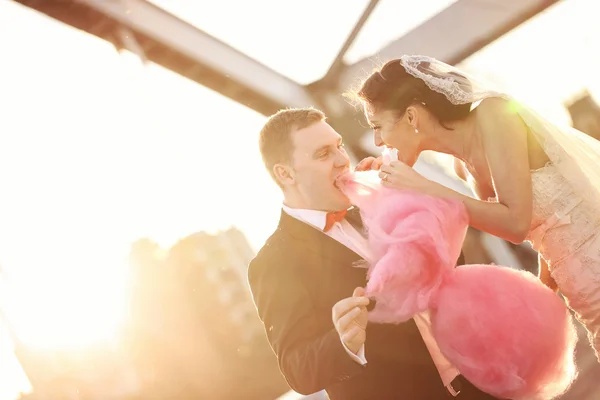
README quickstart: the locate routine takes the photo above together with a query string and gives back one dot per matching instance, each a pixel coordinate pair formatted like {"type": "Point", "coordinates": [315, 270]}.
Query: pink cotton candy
{"type": "Point", "coordinates": [505, 331]}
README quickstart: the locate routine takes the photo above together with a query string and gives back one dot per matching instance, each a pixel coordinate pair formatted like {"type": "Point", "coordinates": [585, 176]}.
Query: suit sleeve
{"type": "Point", "coordinates": [310, 353]}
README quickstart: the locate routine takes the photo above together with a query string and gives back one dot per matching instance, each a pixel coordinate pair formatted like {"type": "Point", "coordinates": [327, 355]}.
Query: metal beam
{"type": "Point", "coordinates": [183, 48]}
{"type": "Point", "coordinates": [451, 36]}
{"type": "Point", "coordinates": [454, 34]}
{"type": "Point", "coordinates": [337, 66]}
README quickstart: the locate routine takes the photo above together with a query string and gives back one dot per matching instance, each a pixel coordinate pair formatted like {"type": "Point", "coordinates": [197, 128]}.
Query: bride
{"type": "Point", "coordinates": [533, 180]}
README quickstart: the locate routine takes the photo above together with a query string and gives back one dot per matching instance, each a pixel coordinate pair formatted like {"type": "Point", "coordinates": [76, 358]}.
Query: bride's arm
{"type": "Point", "coordinates": [544, 274]}
{"type": "Point", "coordinates": [505, 140]}
{"type": "Point", "coordinates": [462, 173]}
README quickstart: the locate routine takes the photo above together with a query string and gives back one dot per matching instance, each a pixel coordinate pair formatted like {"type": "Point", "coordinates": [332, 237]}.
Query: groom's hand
{"type": "Point", "coordinates": [350, 319]}
{"type": "Point", "coordinates": [369, 163]}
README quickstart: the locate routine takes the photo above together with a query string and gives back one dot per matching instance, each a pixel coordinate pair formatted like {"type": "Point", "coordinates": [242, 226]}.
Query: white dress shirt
{"type": "Point", "coordinates": [347, 235]}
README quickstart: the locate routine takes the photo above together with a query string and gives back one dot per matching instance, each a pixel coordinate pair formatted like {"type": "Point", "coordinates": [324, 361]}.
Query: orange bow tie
{"type": "Point", "coordinates": [332, 218]}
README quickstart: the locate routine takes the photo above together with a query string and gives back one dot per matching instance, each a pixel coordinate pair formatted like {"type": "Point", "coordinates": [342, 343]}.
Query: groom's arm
{"type": "Point", "coordinates": [309, 350]}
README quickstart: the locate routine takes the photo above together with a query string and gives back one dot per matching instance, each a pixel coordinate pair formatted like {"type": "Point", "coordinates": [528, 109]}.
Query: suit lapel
{"type": "Point", "coordinates": [317, 241]}
{"type": "Point", "coordinates": [328, 267]}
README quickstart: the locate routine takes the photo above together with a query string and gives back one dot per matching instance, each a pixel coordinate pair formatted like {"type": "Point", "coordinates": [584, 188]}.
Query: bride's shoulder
{"type": "Point", "coordinates": [495, 105]}
{"type": "Point", "coordinates": [497, 111]}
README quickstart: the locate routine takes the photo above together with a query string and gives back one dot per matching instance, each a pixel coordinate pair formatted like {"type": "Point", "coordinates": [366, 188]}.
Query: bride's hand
{"type": "Point", "coordinates": [369, 163]}
{"type": "Point", "coordinates": [400, 176]}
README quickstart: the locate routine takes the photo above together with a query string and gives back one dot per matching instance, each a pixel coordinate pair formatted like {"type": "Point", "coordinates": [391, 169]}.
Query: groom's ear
{"type": "Point", "coordinates": [284, 174]}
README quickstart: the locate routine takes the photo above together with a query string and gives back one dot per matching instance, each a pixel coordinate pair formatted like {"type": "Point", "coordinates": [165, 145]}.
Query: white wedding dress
{"type": "Point", "coordinates": [565, 227]}
{"type": "Point", "coordinates": [566, 233]}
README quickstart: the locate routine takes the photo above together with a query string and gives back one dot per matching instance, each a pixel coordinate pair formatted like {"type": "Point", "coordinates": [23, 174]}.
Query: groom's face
{"type": "Point", "coordinates": [318, 159]}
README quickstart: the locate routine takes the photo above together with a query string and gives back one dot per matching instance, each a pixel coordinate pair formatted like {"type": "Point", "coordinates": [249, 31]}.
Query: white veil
{"type": "Point", "coordinates": [575, 154]}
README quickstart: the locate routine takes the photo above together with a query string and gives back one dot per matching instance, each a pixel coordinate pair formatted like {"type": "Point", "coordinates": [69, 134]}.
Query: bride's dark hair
{"type": "Point", "coordinates": [392, 88]}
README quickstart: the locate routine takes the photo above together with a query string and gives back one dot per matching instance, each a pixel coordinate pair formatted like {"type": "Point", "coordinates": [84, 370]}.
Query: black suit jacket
{"type": "Point", "coordinates": [295, 279]}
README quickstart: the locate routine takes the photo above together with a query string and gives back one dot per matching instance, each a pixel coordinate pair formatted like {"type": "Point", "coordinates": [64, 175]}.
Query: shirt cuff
{"type": "Point", "coordinates": [358, 357]}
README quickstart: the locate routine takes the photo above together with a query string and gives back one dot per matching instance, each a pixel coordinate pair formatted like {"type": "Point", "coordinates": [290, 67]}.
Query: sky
{"type": "Point", "coordinates": [99, 150]}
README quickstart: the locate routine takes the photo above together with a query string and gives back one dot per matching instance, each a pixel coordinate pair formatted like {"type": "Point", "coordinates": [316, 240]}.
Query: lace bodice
{"type": "Point", "coordinates": [562, 221]}
{"type": "Point", "coordinates": [566, 232]}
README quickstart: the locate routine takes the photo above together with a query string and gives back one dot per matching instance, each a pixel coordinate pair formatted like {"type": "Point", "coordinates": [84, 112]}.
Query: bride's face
{"type": "Point", "coordinates": [395, 132]}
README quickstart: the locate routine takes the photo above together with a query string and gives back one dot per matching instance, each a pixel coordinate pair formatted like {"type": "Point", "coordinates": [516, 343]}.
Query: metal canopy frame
{"type": "Point", "coordinates": [454, 34]}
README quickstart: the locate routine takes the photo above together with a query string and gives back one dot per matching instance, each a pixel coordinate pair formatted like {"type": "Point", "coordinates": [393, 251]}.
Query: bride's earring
{"type": "Point", "coordinates": [416, 130]}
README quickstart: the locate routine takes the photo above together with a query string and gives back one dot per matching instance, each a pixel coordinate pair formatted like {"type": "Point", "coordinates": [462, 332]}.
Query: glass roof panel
{"type": "Point", "coordinates": [297, 39]}
{"type": "Point", "coordinates": [546, 60]}
{"type": "Point", "coordinates": [391, 20]}
{"type": "Point", "coordinates": [116, 122]}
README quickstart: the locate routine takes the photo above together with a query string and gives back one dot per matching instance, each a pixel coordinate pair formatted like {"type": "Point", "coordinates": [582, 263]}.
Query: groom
{"type": "Point", "coordinates": [307, 283]}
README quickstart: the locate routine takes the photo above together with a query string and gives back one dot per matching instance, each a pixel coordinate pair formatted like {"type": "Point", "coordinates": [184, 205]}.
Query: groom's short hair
{"type": "Point", "coordinates": [275, 140]}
